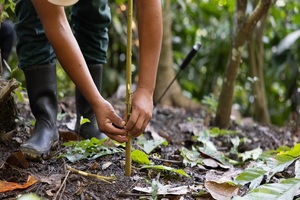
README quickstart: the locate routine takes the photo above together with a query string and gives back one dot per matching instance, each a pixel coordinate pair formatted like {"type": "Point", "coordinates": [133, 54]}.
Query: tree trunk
{"type": "Point", "coordinates": [243, 26]}
{"type": "Point", "coordinates": [256, 62]}
{"type": "Point", "coordinates": [166, 72]}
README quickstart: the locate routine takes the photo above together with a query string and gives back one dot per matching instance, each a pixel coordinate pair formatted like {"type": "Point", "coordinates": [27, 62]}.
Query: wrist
{"type": "Point", "coordinates": [145, 90]}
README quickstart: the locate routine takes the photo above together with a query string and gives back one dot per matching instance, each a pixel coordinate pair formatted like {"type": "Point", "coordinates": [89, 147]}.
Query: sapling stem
{"type": "Point", "coordinates": [128, 84]}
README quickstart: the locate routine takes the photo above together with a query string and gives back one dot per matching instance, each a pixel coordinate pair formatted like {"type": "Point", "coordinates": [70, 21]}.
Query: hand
{"type": "Point", "coordinates": [141, 113]}
{"type": "Point", "coordinates": [110, 123]}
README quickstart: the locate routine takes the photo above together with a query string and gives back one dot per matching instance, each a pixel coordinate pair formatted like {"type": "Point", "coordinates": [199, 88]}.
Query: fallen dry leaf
{"type": "Point", "coordinates": [68, 135]}
{"type": "Point", "coordinates": [9, 186]}
{"type": "Point", "coordinates": [222, 191]}
{"type": "Point", "coordinates": [106, 165]}
{"type": "Point", "coordinates": [17, 159]}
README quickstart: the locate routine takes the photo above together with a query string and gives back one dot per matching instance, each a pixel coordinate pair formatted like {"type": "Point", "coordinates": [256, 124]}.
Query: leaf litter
{"type": "Point", "coordinates": [180, 156]}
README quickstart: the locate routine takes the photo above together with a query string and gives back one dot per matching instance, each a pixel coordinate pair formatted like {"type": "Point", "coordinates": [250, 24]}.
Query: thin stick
{"type": "Point", "coordinates": [128, 85]}
{"type": "Point", "coordinates": [106, 179]}
{"type": "Point", "coordinates": [62, 185]}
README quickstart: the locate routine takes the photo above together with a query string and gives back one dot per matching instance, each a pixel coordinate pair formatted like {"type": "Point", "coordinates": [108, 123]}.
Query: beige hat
{"type": "Point", "coordinates": [63, 2]}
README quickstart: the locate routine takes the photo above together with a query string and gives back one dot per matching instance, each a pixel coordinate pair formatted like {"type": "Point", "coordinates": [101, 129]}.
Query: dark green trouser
{"type": "Point", "coordinates": [90, 20]}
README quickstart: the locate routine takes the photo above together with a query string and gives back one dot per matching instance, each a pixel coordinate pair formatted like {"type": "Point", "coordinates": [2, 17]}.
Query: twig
{"type": "Point", "coordinates": [133, 194]}
{"type": "Point", "coordinates": [63, 183]}
{"type": "Point", "coordinates": [168, 161]}
{"type": "Point", "coordinates": [106, 179]}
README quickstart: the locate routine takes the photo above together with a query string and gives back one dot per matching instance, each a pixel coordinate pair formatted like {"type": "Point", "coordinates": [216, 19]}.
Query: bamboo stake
{"type": "Point", "coordinates": [128, 85]}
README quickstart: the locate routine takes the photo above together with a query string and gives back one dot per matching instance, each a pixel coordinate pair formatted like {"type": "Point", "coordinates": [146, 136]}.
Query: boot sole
{"type": "Point", "coordinates": [33, 154]}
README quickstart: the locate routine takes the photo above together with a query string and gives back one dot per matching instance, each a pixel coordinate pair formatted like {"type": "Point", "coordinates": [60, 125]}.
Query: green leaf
{"type": "Point", "coordinates": [284, 190]}
{"type": "Point", "coordinates": [210, 150]}
{"type": "Point", "coordinates": [87, 149]}
{"type": "Point", "coordinates": [19, 94]}
{"type": "Point", "coordinates": [284, 159]}
{"type": "Point", "coordinates": [235, 142]}
{"type": "Point", "coordinates": [155, 186]}
{"type": "Point", "coordinates": [140, 157]}
{"type": "Point", "coordinates": [294, 152]}
{"type": "Point", "coordinates": [150, 145]}
{"type": "Point", "coordinates": [212, 103]}
{"type": "Point", "coordinates": [253, 154]}
{"type": "Point", "coordinates": [170, 169]}
{"type": "Point", "coordinates": [297, 169]}
{"type": "Point", "coordinates": [84, 120]}
{"type": "Point", "coordinates": [216, 132]}
{"type": "Point", "coordinates": [254, 176]}
{"type": "Point", "coordinates": [29, 196]}
{"type": "Point", "coordinates": [190, 157]}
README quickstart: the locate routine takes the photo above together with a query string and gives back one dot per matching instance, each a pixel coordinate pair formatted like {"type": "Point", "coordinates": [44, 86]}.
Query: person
{"type": "Point", "coordinates": [7, 38]}
{"type": "Point", "coordinates": [44, 34]}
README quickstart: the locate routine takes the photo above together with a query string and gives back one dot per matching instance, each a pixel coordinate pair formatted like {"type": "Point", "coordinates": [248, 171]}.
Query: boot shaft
{"type": "Point", "coordinates": [82, 106]}
{"type": "Point", "coordinates": [83, 109]}
{"type": "Point", "coordinates": [42, 91]}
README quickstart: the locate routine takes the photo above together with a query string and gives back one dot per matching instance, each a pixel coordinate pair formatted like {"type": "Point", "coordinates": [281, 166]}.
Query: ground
{"type": "Point", "coordinates": [177, 126]}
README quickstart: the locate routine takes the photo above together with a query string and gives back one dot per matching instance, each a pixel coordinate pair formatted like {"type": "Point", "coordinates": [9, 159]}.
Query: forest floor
{"type": "Point", "coordinates": [54, 180]}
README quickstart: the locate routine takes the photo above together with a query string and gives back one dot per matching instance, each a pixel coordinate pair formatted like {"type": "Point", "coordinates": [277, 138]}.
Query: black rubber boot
{"type": "Point", "coordinates": [83, 109]}
{"type": "Point", "coordinates": [42, 93]}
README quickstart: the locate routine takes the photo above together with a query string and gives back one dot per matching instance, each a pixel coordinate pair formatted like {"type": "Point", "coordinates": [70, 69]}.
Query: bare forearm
{"type": "Point", "coordinates": [150, 36]}
{"type": "Point", "coordinates": [66, 48]}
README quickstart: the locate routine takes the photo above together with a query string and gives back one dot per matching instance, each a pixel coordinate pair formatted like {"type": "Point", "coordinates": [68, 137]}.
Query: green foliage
{"type": "Point", "coordinates": [254, 176]}
{"type": "Point", "coordinates": [140, 157]}
{"type": "Point", "coordinates": [165, 168]}
{"type": "Point", "coordinates": [209, 148]}
{"type": "Point", "coordinates": [149, 145]}
{"type": "Point", "coordinates": [284, 159]}
{"type": "Point", "coordinates": [9, 6]}
{"type": "Point", "coordinates": [272, 163]}
{"type": "Point", "coordinates": [84, 120]}
{"type": "Point", "coordinates": [87, 149]}
{"type": "Point", "coordinates": [284, 190]}
{"type": "Point", "coordinates": [19, 93]}
{"type": "Point", "coordinates": [190, 157]}
{"type": "Point", "coordinates": [155, 186]}
{"type": "Point", "coordinates": [216, 132]}
{"type": "Point", "coordinates": [252, 154]}
{"type": "Point", "coordinates": [212, 103]}
{"type": "Point", "coordinates": [29, 196]}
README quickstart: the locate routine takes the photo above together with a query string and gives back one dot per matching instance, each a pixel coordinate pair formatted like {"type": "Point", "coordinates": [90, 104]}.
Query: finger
{"type": "Point", "coordinates": [138, 127]}
{"type": "Point", "coordinates": [112, 130]}
{"type": "Point", "coordinates": [118, 138]}
{"type": "Point", "coordinates": [117, 121]}
{"type": "Point", "coordinates": [132, 121]}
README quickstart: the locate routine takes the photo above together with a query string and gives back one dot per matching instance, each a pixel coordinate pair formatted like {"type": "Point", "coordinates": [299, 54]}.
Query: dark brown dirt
{"type": "Point", "coordinates": [176, 125]}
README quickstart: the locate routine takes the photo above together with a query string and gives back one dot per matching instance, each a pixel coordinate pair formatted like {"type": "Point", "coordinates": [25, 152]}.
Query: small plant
{"type": "Point", "coordinates": [212, 103]}
{"type": "Point", "coordinates": [216, 132]}
{"type": "Point", "coordinates": [88, 149]}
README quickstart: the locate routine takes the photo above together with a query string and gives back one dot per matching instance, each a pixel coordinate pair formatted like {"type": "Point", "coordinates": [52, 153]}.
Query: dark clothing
{"type": "Point", "coordinates": [7, 38]}
{"type": "Point", "coordinates": [90, 21]}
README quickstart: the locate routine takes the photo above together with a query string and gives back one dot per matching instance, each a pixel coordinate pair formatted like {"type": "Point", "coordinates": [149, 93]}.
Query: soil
{"type": "Point", "coordinates": [177, 126]}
